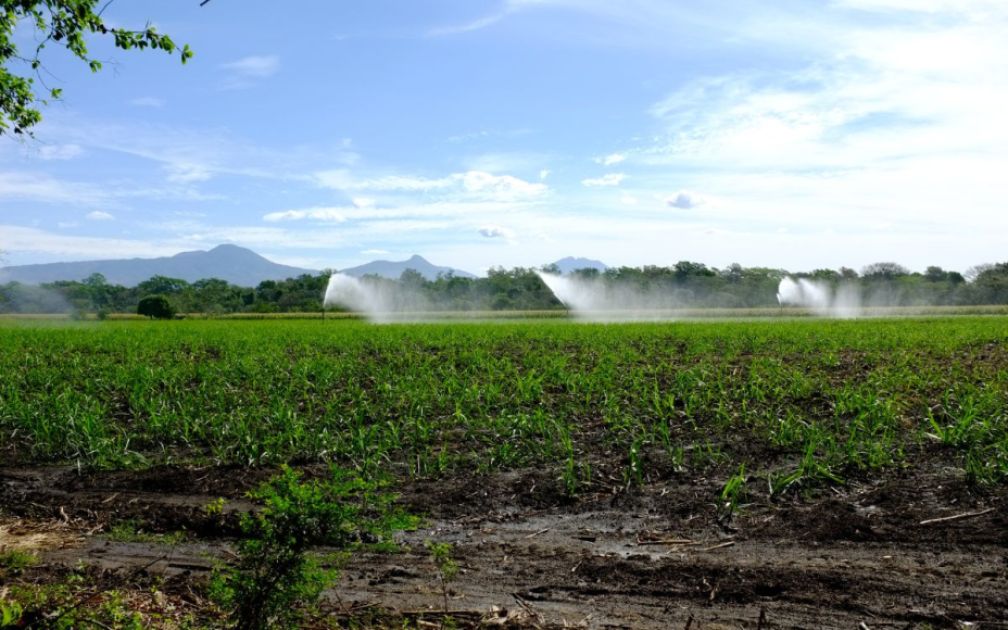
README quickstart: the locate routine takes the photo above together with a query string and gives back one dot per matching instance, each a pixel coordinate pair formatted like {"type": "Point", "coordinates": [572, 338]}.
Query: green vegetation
{"type": "Point", "coordinates": [276, 582]}
{"type": "Point", "coordinates": [691, 284]}
{"type": "Point", "coordinates": [447, 570]}
{"type": "Point", "coordinates": [130, 531]}
{"type": "Point", "coordinates": [65, 23]}
{"type": "Point", "coordinates": [72, 603]}
{"type": "Point", "coordinates": [818, 402]}
{"type": "Point", "coordinates": [733, 492]}
{"type": "Point", "coordinates": [14, 561]}
{"type": "Point", "coordinates": [156, 307]}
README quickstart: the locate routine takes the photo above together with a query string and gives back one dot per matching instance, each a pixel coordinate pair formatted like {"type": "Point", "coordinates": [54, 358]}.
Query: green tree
{"type": "Point", "coordinates": [412, 278]}
{"type": "Point", "coordinates": [156, 307]}
{"type": "Point", "coordinates": [98, 290]}
{"type": "Point", "coordinates": [66, 23]}
{"type": "Point", "coordinates": [884, 271]}
{"type": "Point", "coordinates": [162, 284]}
{"type": "Point", "coordinates": [992, 284]}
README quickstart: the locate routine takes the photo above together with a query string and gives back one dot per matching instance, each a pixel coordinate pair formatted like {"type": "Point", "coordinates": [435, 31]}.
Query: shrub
{"type": "Point", "coordinates": [275, 579]}
{"type": "Point", "coordinates": [156, 307]}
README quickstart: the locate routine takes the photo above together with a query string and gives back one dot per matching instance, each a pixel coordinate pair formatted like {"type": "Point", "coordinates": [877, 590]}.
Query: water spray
{"type": "Point", "coordinates": [378, 300]}
{"type": "Point", "coordinates": [820, 298]}
{"type": "Point", "coordinates": [596, 300]}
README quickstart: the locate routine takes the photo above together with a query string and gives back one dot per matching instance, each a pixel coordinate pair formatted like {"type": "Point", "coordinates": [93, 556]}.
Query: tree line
{"type": "Point", "coordinates": [691, 284]}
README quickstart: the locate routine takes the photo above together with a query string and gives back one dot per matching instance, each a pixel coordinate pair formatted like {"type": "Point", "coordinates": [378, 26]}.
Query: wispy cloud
{"type": "Point", "coordinates": [19, 239]}
{"type": "Point", "coordinates": [468, 27]}
{"type": "Point", "coordinates": [607, 180]}
{"type": "Point", "coordinates": [254, 67]}
{"type": "Point", "coordinates": [611, 159]}
{"type": "Point", "coordinates": [60, 151]}
{"type": "Point", "coordinates": [45, 188]}
{"type": "Point", "coordinates": [190, 155]}
{"type": "Point", "coordinates": [342, 179]}
{"type": "Point", "coordinates": [470, 209]}
{"type": "Point", "coordinates": [247, 71]}
{"type": "Point", "coordinates": [470, 184]}
{"type": "Point", "coordinates": [913, 93]}
{"type": "Point", "coordinates": [98, 215]}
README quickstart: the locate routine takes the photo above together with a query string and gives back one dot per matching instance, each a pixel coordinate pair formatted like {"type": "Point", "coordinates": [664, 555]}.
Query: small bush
{"type": "Point", "coordinates": [275, 579]}
{"type": "Point", "coordinates": [156, 307]}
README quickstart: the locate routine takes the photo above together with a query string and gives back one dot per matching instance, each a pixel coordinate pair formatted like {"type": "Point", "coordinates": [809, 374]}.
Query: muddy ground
{"type": "Point", "coordinates": [875, 554]}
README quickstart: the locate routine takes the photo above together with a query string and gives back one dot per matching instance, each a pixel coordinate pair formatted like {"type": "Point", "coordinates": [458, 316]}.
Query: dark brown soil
{"type": "Point", "coordinates": [658, 556]}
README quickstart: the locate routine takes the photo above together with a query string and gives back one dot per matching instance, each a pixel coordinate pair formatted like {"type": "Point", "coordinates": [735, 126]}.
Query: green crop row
{"type": "Point", "coordinates": [804, 401]}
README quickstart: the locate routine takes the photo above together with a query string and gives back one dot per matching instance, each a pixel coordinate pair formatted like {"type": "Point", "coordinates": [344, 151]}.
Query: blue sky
{"type": "Point", "coordinates": [478, 133]}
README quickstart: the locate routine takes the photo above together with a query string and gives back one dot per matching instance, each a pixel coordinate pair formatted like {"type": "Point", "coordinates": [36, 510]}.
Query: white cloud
{"type": "Point", "coordinates": [900, 122]}
{"type": "Point", "coordinates": [684, 200]}
{"type": "Point", "coordinates": [47, 189]}
{"type": "Point", "coordinates": [611, 159]}
{"type": "Point", "coordinates": [183, 173]}
{"type": "Point", "coordinates": [609, 179]}
{"type": "Point", "coordinates": [543, 174]}
{"type": "Point", "coordinates": [19, 239]}
{"type": "Point", "coordinates": [334, 215]}
{"type": "Point", "coordinates": [341, 179]}
{"type": "Point", "coordinates": [468, 184]}
{"type": "Point", "coordinates": [247, 71]}
{"type": "Point", "coordinates": [426, 210]}
{"type": "Point", "coordinates": [254, 67]}
{"type": "Point", "coordinates": [98, 215]}
{"type": "Point", "coordinates": [41, 188]}
{"type": "Point", "coordinates": [60, 151]}
{"type": "Point", "coordinates": [500, 186]}
{"type": "Point", "coordinates": [496, 231]}
{"type": "Point", "coordinates": [507, 161]}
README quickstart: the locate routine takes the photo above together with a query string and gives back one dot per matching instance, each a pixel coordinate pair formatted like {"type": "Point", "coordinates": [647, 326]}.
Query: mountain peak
{"type": "Point", "coordinates": [235, 264]}
{"type": "Point", "coordinates": [571, 263]}
{"type": "Point", "coordinates": [393, 269]}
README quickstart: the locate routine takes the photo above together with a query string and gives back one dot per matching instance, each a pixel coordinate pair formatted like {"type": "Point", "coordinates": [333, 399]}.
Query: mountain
{"type": "Point", "coordinates": [569, 264]}
{"type": "Point", "coordinates": [237, 265]}
{"type": "Point", "coordinates": [393, 269]}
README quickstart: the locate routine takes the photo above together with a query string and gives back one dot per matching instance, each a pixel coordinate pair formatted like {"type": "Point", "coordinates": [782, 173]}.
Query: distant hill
{"type": "Point", "coordinates": [237, 265]}
{"type": "Point", "coordinates": [569, 264]}
{"type": "Point", "coordinates": [393, 269]}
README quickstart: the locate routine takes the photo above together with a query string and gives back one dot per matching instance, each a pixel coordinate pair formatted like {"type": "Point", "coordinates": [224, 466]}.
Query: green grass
{"type": "Point", "coordinates": [799, 402]}
{"type": "Point", "coordinates": [131, 531]}
{"type": "Point", "coordinates": [15, 560]}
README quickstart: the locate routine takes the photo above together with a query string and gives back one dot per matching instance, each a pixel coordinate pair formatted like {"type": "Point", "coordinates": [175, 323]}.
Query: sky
{"type": "Point", "coordinates": [797, 134]}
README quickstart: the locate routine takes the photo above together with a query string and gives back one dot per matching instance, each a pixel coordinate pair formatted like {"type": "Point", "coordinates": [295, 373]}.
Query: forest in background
{"type": "Point", "coordinates": [691, 284]}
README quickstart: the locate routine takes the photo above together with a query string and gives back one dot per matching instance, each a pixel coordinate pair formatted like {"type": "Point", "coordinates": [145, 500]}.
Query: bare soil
{"type": "Point", "coordinates": [658, 556]}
